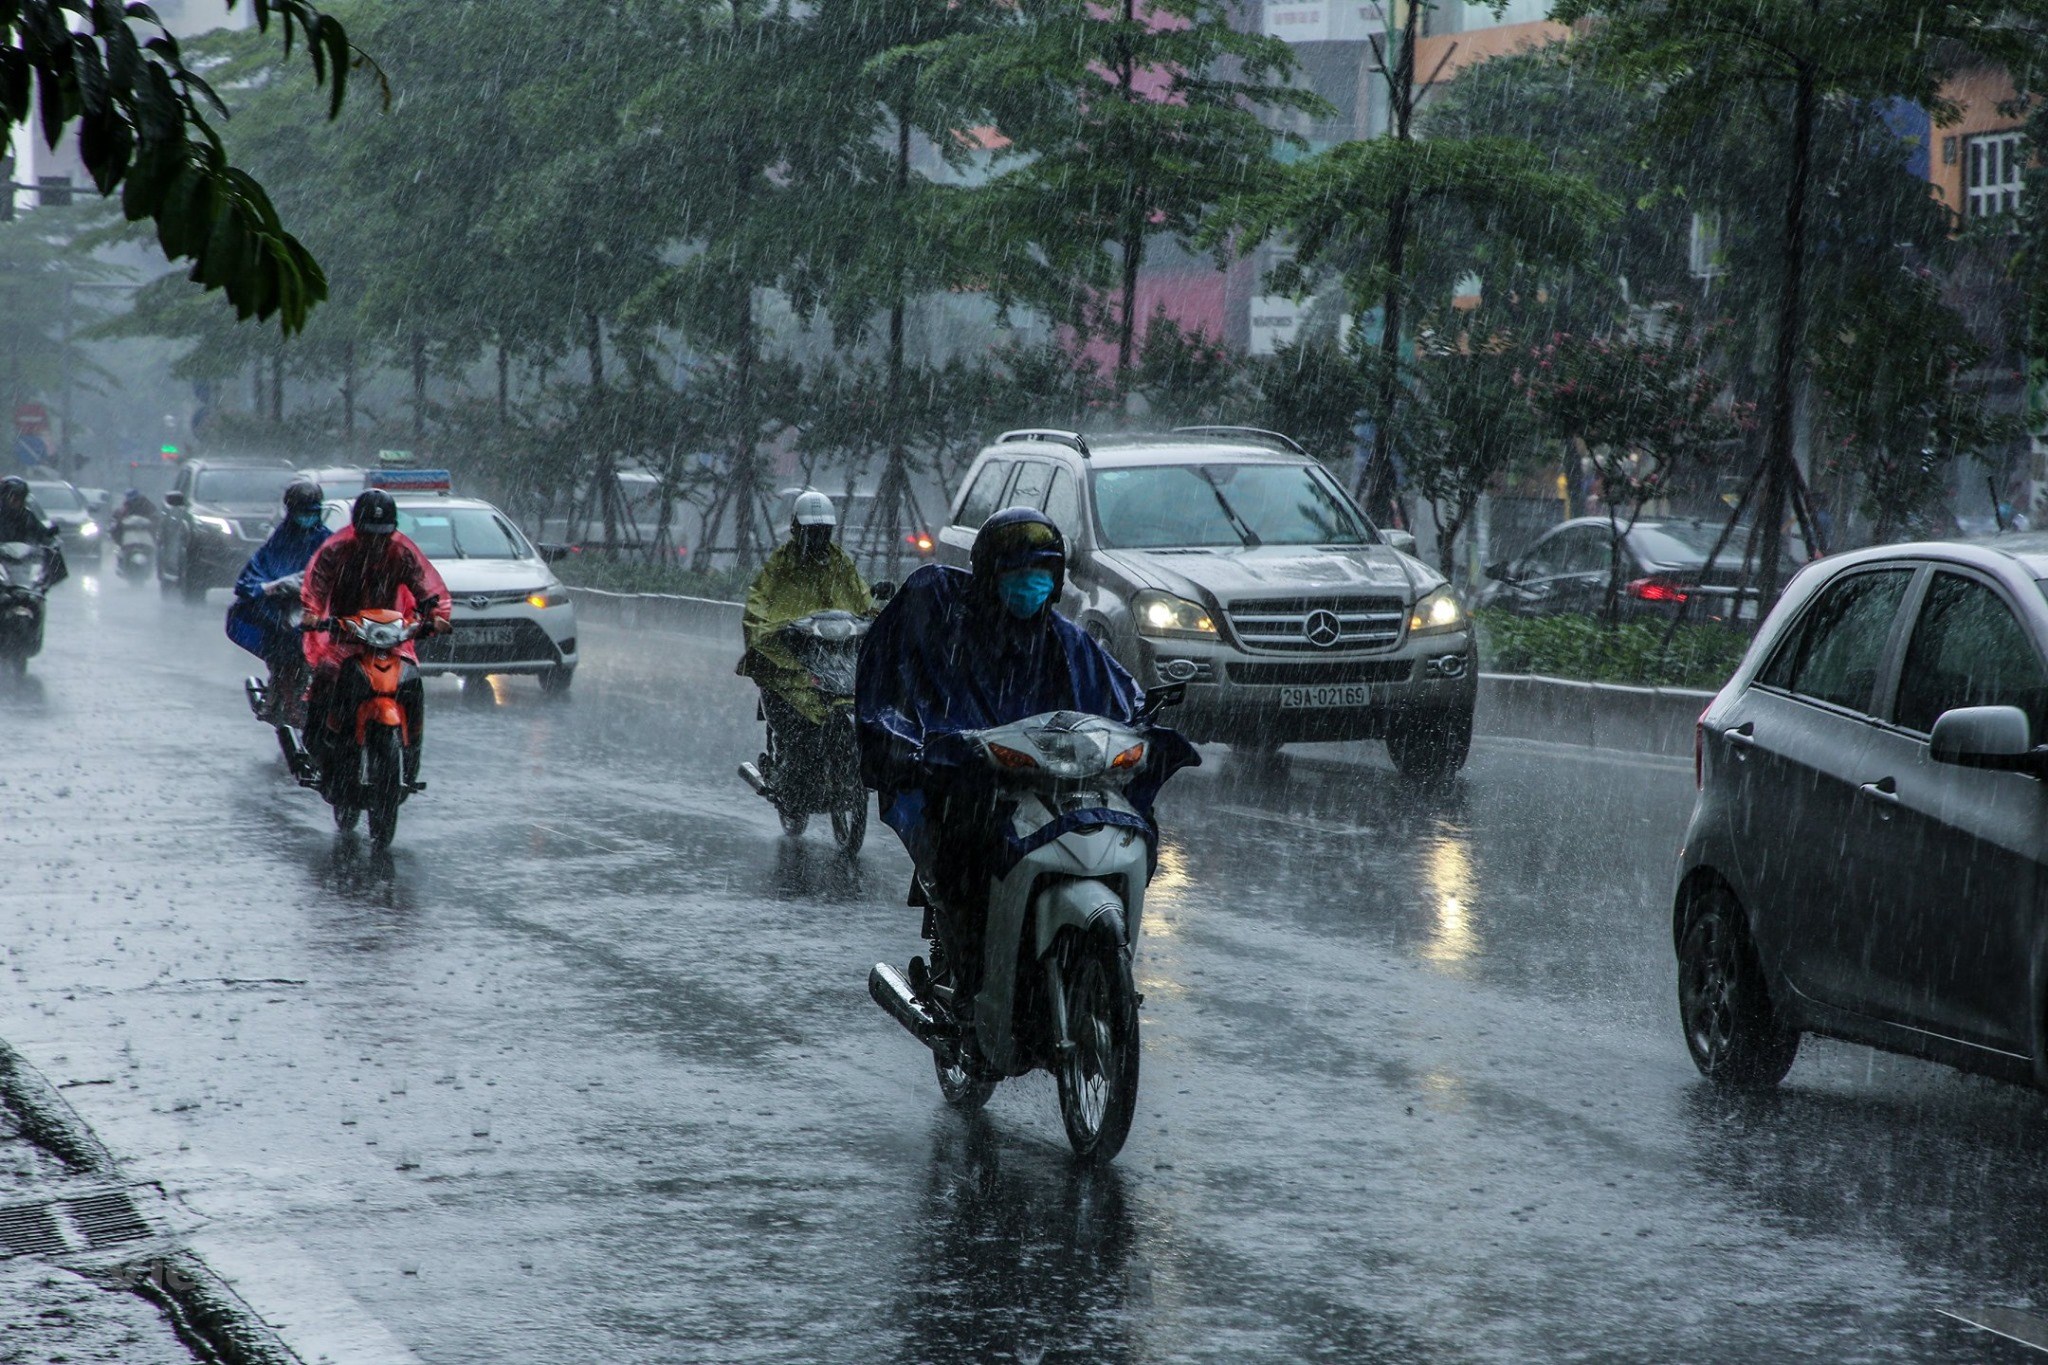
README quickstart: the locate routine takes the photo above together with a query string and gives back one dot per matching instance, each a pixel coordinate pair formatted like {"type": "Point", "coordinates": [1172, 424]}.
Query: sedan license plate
{"type": "Point", "coordinates": [489, 635]}
{"type": "Point", "coordinates": [1326, 696]}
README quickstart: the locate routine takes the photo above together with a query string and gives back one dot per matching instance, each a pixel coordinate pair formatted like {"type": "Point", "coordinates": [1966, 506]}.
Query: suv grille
{"type": "Point", "coordinates": [1283, 623]}
{"type": "Point", "coordinates": [1318, 674]}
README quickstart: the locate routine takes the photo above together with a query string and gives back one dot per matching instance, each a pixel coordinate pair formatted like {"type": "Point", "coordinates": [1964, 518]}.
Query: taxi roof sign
{"type": "Point", "coordinates": [410, 480]}
{"type": "Point", "coordinates": [394, 457]}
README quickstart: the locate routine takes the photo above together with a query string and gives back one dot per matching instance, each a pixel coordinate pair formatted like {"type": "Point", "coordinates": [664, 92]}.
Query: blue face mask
{"type": "Point", "coordinates": [1025, 592]}
{"type": "Point", "coordinates": [305, 521]}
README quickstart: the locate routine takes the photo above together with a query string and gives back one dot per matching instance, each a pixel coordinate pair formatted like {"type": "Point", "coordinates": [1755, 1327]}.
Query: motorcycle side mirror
{"type": "Point", "coordinates": [882, 591]}
{"type": "Point", "coordinates": [1157, 699]}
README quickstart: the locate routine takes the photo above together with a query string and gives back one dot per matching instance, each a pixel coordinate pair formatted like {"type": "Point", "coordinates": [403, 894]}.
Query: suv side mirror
{"type": "Point", "coordinates": [1403, 541]}
{"type": "Point", "coordinates": [1998, 737]}
{"type": "Point", "coordinates": [174, 499]}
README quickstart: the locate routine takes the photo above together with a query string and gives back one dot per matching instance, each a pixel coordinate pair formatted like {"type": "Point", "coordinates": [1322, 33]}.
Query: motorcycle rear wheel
{"type": "Point", "coordinates": [387, 785]}
{"type": "Point", "coordinates": [1098, 1078]}
{"type": "Point", "coordinates": [850, 826]}
{"type": "Point", "coordinates": [958, 1086]}
{"type": "Point", "coordinates": [345, 816]}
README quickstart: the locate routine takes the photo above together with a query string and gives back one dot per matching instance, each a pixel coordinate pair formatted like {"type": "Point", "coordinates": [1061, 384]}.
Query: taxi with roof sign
{"type": "Point", "coordinates": [511, 614]}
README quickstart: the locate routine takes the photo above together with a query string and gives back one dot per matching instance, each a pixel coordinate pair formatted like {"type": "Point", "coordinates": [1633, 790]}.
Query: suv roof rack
{"type": "Point", "coordinates": [1285, 442]}
{"type": "Point", "coordinates": [1071, 439]}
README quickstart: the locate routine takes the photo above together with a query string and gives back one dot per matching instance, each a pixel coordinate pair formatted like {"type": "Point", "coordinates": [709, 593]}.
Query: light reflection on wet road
{"type": "Point", "coordinates": [586, 1069]}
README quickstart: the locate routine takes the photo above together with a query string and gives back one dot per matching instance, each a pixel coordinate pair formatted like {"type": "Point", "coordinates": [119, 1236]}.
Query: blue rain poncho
{"type": "Point", "coordinates": [260, 624]}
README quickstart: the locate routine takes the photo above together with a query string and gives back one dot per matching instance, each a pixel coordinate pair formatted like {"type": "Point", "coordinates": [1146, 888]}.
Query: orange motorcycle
{"type": "Point", "coordinates": [367, 761]}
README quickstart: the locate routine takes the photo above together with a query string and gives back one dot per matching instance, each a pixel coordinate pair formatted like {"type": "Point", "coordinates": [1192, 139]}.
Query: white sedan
{"type": "Point", "coordinates": [511, 614]}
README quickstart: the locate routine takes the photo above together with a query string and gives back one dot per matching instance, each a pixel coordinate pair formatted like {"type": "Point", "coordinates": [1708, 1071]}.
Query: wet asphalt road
{"type": "Point", "coordinates": [586, 1069]}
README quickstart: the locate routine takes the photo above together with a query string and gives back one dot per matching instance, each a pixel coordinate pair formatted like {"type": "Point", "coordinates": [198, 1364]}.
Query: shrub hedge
{"type": "Point", "coordinates": [1700, 656]}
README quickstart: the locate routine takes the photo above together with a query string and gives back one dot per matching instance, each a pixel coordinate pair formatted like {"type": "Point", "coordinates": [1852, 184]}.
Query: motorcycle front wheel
{"type": "Point", "coordinates": [1098, 1078]}
{"type": "Point", "coordinates": [850, 826]}
{"type": "Point", "coordinates": [387, 785]}
{"type": "Point", "coordinates": [793, 822]}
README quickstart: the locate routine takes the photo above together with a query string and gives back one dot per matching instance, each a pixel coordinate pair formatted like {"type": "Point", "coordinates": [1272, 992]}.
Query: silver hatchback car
{"type": "Point", "coordinates": [1865, 859]}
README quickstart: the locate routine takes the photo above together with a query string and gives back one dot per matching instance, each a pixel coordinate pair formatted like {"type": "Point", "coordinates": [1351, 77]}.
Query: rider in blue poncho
{"type": "Point", "coordinates": [955, 651]}
{"type": "Point", "coordinates": [266, 591]}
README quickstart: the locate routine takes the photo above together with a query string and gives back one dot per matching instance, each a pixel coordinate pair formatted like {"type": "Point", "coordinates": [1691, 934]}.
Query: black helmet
{"type": "Point", "coordinates": [13, 491]}
{"type": "Point", "coordinates": [375, 513]}
{"type": "Point", "coordinates": [304, 495]}
{"type": "Point", "coordinates": [1019, 538]}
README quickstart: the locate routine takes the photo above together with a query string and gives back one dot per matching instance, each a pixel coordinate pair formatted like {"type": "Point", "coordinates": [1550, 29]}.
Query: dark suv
{"type": "Point", "coordinates": [215, 516]}
{"type": "Point", "coordinates": [1866, 856]}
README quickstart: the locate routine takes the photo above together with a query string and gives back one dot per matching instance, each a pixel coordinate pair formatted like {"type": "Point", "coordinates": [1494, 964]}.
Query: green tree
{"type": "Point", "coordinates": [1713, 61]}
{"type": "Point", "coordinates": [1120, 123]}
{"type": "Point", "coordinates": [1469, 422]}
{"type": "Point", "coordinates": [116, 75]}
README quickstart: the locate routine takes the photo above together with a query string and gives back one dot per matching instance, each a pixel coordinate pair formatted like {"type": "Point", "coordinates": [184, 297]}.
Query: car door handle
{"type": "Point", "coordinates": [1885, 791]}
{"type": "Point", "coordinates": [1742, 736]}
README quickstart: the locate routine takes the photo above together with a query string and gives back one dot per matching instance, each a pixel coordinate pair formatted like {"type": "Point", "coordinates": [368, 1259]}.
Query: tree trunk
{"type": "Point", "coordinates": [348, 389]}
{"type": "Point", "coordinates": [593, 344]}
{"type": "Point", "coordinates": [277, 385]}
{"type": "Point", "coordinates": [504, 386]}
{"type": "Point", "coordinates": [1133, 243]}
{"type": "Point", "coordinates": [894, 489]}
{"type": "Point", "coordinates": [1376, 482]}
{"type": "Point", "coordinates": [419, 382]}
{"type": "Point", "coordinates": [744, 494]}
{"type": "Point", "coordinates": [1779, 469]}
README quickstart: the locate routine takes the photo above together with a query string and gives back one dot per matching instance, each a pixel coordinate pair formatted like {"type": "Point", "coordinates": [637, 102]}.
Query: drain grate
{"type": "Point", "coordinates": [67, 1225]}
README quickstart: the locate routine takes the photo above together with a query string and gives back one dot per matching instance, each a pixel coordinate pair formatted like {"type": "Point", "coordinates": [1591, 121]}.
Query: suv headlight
{"type": "Point", "coordinates": [220, 524]}
{"type": "Point", "coordinates": [1164, 616]}
{"type": "Point", "coordinates": [1437, 614]}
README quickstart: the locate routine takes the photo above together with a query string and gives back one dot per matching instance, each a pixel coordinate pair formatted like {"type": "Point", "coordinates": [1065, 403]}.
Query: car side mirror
{"type": "Point", "coordinates": [174, 499]}
{"type": "Point", "coordinates": [1998, 737]}
{"type": "Point", "coordinates": [97, 499]}
{"type": "Point", "coordinates": [552, 553]}
{"type": "Point", "coordinates": [881, 591]}
{"type": "Point", "coordinates": [1403, 541]}
{"type": "Point", "coordinates": [1499, 571]}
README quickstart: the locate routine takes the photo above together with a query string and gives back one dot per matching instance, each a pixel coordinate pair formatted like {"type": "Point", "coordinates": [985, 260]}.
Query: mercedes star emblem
{"type": "Point", "coordinates": [1322, 629]}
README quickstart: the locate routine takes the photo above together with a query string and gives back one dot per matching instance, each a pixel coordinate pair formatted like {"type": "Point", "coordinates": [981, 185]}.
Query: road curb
{"type": "Point", "coordinates": [1644, 720]}
{"type": "Point", "coordinates": [204, 1313]}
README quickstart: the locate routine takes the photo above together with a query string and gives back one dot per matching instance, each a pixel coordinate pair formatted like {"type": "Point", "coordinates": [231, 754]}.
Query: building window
{"type": "Point", "coordinates": [1704, 250]}
{"type": "Point", "coordinates": [1992, 167]}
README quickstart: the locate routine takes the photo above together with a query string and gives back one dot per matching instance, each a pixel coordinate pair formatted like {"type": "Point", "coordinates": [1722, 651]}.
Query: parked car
{"type": "Point", "coordinates": [1231, 561]}
{"type": "Point", "coordinates": [68, 508]}
{"type": "Point", "coordinates": [216, 514]}
{"type": "Point", "coordinates": [1865, 858]}
{"type": "Point", "coordinates": [1663, 565]}
{"type": "Point", "coordinates": [510, 613]}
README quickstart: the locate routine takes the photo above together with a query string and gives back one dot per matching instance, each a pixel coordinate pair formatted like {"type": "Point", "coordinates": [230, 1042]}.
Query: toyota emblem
{"type": "Point", "coordinates": [479, 602]}
{"type": "Point", "coordinates": [1322, 628]}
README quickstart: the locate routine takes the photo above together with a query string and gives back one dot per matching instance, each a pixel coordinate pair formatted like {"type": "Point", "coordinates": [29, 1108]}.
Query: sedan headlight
{"type": "Point", "coordinates": [1437, 614]}
{"type": "Point", "coordinates": [1164, 616]}
{"type": "Point", "coordinates": [547, 597]}
{"type": "Point", "coordinates": [220, 524]}
{"type": "Point", "coordinates": [88, 529]}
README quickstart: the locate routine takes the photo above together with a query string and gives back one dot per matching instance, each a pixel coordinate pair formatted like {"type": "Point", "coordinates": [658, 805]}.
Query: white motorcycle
{"type": "Point", "coordinates": [1061, 929]}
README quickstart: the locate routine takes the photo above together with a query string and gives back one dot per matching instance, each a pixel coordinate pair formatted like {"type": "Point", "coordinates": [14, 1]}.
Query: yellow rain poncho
{"type": "Point", "coordinates": [788, 587]}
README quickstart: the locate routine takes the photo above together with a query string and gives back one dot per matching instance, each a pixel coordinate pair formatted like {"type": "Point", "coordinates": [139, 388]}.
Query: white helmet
{"type": "Point", "coordinates": [813, 509]}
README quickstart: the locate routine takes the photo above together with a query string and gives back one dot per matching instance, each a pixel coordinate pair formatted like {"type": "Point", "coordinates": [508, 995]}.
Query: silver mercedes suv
{"type": "Point", "coordinates": [1228, 559]}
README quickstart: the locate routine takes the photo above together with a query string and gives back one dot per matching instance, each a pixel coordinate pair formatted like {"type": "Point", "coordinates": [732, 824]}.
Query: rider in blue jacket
{"type": "Point", "coordinates": [960, 651]}
{"type": "Point", "coordinates": [266, 591]}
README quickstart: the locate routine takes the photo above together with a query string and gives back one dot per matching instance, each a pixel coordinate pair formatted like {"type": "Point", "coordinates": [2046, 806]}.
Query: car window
{"type": "Point", "coordinates": [1175, 506]}
{"type": "Point", "coordinates": [1969, 650]}
{"type": "Point", "coordinates": [1063, 503]}
{"type": "Point", "coordinates": [980, 503]}
{"type": "Point", "coordinates": [1541, 559]}
{"type": "Point", "coordinates": [1033, 478]}
{"type": "Point", "coordinates": [462, 533]}
{"type": "Point", "coordinates": [244, 486]}
{"type": "Point", "coordinates": [1586, 550]}
{"type": "Point", "coordinates": [1833, 654]}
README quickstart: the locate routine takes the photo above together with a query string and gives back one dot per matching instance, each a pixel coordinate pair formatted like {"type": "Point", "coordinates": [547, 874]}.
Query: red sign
{"type": "Point", "coordinates": [31, 419]}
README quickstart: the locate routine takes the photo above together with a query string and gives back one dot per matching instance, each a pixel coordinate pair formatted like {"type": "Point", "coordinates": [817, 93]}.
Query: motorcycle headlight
{"type": "Point", "coordinates": [1437, 614]}
{"type": "Point", "coordinates": [1163, 616]}
{"type": "Point", "coordinates": [88, 529]}
{"type": "Point", "coordinates": [220, 524]}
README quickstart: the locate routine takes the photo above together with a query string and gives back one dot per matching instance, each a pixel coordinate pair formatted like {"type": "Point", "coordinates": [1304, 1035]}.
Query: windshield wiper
{"type": "Point", "coordinates": [1237, 523]}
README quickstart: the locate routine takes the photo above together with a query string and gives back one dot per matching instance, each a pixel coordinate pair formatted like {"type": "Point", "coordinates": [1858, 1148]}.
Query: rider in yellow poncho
{"type": "Point", "coordinates": [806, 573]}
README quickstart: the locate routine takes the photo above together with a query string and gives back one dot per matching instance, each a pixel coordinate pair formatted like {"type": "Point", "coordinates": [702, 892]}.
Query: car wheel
{"type": "Point", "coordinates": [555, 682]}
{"type": "Point", "coordinates": [1732, 1029]}
{"type": "Point", "coordinates": [1430, 746]}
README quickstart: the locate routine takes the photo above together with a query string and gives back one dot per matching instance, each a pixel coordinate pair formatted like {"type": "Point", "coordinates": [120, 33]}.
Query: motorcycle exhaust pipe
{"type": "Point", "coordinates": [892, 993]}
{"type": "Point", "coordinates": [751, 775]}
{"type": "Point", "coordinates": [256, 692]}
